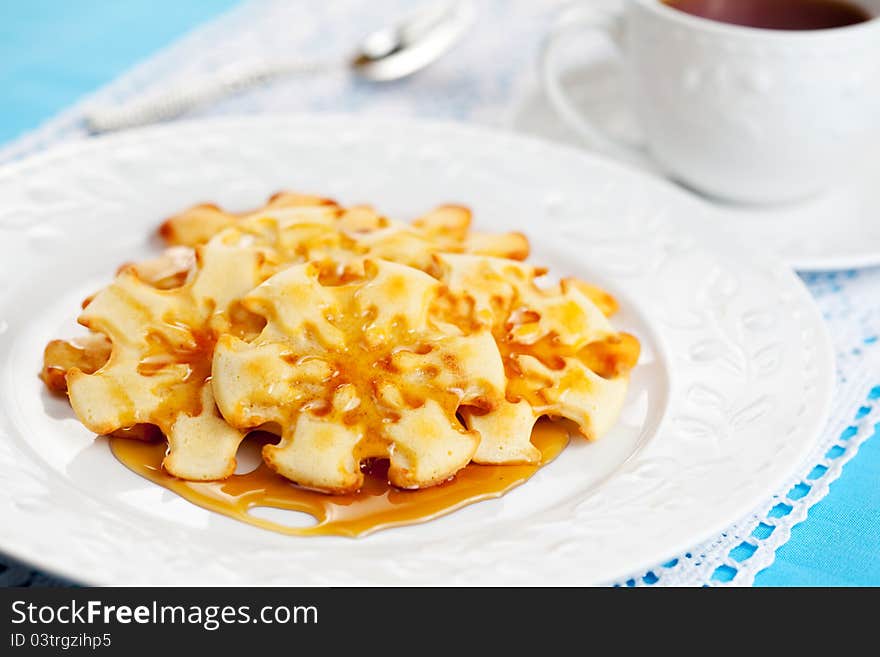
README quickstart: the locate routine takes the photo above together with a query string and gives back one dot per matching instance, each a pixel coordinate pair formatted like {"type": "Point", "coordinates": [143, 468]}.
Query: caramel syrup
{"type": "Point", "coordinates": [378, 505]}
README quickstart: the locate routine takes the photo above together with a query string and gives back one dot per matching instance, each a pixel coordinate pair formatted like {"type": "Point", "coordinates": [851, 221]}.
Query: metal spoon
{"type": "Point", "coordinates": [390, 53]}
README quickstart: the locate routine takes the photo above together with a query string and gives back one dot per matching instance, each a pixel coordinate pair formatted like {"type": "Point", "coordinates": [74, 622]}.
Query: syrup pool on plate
{"type": "Point", "coordinates": [376, 506]}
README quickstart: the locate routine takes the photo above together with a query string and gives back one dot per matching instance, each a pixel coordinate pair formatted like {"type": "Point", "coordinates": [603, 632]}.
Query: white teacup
{"type": "Point", "coordinates": [739, 113]}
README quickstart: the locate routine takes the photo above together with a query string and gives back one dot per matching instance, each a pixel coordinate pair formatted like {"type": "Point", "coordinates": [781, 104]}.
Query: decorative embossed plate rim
{"type": "Point", "coordinates": [747, 355]}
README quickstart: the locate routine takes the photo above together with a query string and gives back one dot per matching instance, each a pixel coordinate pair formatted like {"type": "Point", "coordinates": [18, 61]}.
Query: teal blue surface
{"type": "Point", "coordinates": [54, 52]}
{"type": "Point", "coordinates": [839, 543]}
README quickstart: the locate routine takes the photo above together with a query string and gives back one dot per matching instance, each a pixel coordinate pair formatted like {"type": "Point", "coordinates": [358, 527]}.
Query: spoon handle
{"type": "Point", "coordinates": [189, 95]}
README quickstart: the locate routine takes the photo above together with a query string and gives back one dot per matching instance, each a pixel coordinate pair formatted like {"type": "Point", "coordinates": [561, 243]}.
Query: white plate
{"type": "Point", "coordinates": [732, 390]}
{"type": "Point", "coordinates": [836, 230]}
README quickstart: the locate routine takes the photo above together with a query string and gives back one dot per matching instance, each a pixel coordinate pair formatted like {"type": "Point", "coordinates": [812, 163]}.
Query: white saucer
{"type": "Point", "coordinates": [838, 230]}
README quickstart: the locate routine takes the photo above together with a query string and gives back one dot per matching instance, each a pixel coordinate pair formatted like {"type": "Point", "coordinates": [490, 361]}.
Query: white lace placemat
{"type": "Point", "coordinates": [483, 80]}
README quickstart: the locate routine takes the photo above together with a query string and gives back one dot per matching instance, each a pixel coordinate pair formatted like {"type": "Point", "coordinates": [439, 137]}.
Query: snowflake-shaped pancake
{"type": "Point", "coordinates": [351, 367]}
{"type": "Point", "coordinates": [159, 368]}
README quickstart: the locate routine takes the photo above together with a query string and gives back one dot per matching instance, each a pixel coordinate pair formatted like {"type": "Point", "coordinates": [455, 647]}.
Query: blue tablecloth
{"type": "Point", "coordinates": [53, 52]}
